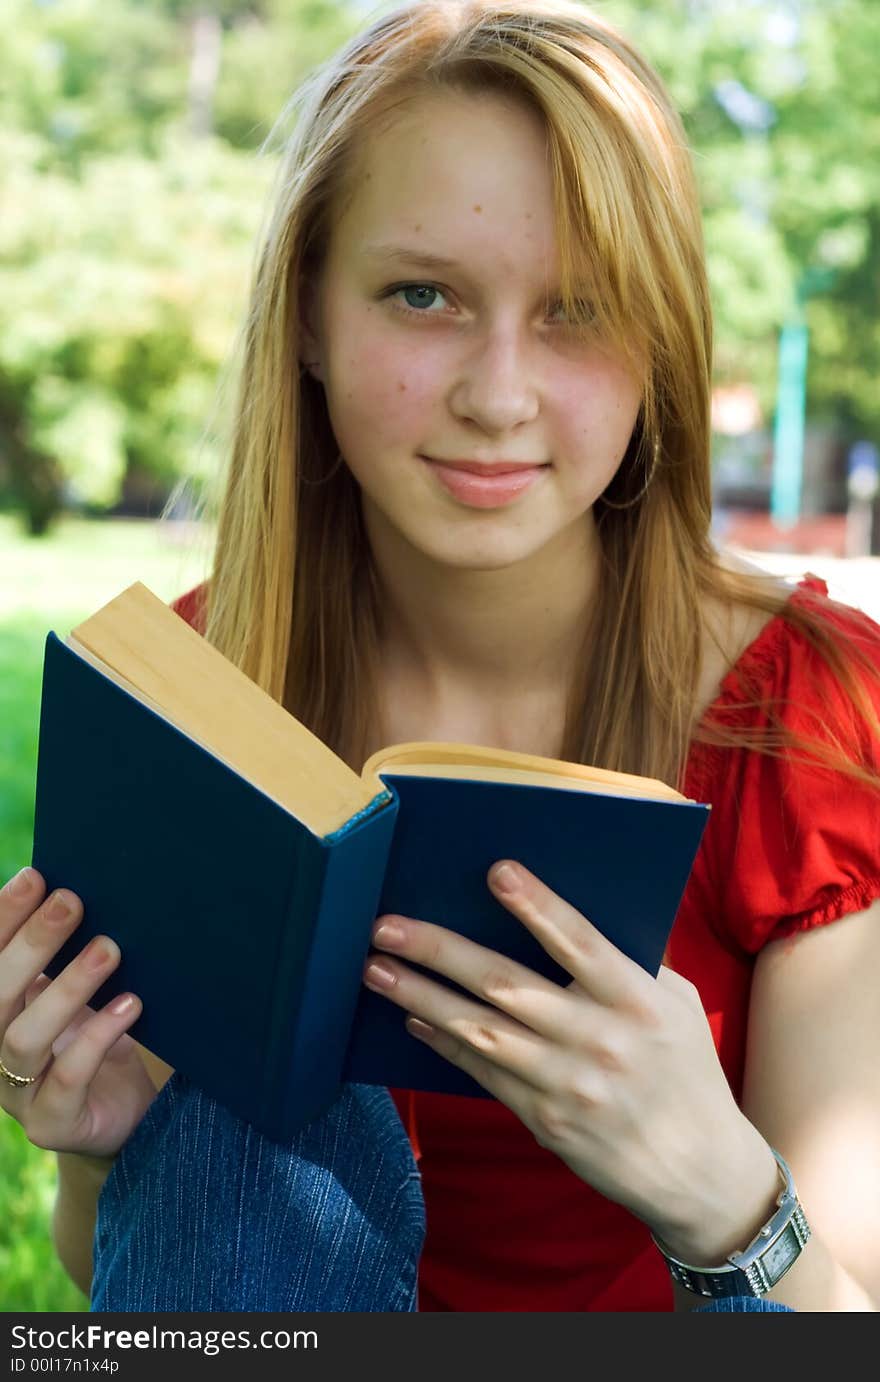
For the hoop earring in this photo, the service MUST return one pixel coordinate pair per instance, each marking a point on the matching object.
(630, 503)
(322, 479)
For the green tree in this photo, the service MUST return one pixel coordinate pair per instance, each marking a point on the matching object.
(779, 102)
(128, 228)
(120, 290)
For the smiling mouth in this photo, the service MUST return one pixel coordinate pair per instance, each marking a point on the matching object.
(486, 487)
(488, 468)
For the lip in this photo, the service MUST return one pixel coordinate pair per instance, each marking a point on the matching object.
(485, 487)
(488, 467)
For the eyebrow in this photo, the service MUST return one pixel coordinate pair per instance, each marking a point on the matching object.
(382, 253)
(386, 253)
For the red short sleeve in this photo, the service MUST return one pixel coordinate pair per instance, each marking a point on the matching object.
(790, 844)
(192, 606)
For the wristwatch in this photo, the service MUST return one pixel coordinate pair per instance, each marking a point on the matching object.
(765, 1261)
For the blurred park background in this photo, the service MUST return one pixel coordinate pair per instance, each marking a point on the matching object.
(134, 163)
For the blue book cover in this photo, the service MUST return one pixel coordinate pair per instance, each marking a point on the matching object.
(622, 861)
(245, 933)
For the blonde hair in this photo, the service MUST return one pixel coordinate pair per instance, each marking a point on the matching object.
(292, 597)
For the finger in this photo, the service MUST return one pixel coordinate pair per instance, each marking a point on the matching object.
(532, 1000)
(510, 1088)
(18, 899)
(490, 1034)
(41, 982)
(28, 1041)
(32, 946)
(122, 1047)
(577, 946)
(64, 1090)
(61, 1042)
(39, 986)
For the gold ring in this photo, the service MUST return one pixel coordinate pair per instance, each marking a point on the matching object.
(17, 1081)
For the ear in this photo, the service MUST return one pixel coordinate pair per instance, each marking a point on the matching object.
(310, 352)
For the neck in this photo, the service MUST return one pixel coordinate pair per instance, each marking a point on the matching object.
(497, 634)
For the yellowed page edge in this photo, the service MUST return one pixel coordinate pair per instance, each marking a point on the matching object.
(135, 691)
(174, 671)
(525, 778)
(426, 756)
(159, 1071)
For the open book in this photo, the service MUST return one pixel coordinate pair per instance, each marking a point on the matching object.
(239, 863)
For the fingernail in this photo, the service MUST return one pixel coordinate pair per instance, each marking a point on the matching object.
(22, 883)
(97, 953)
(388, 933)
(423, 1030)
(58, 908)
(121, 1004)
(379, 976)
(504, 878)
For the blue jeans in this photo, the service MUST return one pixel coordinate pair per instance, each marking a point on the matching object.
(201, 1213)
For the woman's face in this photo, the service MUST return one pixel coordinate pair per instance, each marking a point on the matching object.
(468, 360)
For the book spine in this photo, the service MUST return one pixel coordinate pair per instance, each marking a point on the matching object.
(319, 968)
(379, 802)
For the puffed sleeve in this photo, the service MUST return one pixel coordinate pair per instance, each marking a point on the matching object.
(191, 606)
(792, 844)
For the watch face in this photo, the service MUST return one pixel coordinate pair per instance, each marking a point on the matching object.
(780, 1255)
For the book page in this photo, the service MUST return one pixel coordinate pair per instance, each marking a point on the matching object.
(145, 647)
(522, 777)
(504, 765)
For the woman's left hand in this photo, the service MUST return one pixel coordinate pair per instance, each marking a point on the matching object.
(616, 1073)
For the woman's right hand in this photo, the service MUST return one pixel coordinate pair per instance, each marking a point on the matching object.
(92, 1088)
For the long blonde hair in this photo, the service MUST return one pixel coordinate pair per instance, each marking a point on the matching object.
(292, 597)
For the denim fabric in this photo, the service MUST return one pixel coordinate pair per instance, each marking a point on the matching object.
(202, 1213)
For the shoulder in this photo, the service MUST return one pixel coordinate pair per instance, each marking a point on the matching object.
(192, 606)
(793, 840)
(793, 652)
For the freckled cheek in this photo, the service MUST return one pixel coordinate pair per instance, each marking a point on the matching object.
(387, 389)
(595, 425)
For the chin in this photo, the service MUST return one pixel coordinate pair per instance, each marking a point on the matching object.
(481, 555)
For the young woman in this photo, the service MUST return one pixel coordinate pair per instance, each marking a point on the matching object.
(469, 499)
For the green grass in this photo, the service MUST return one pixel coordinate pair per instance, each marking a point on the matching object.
(53, 583)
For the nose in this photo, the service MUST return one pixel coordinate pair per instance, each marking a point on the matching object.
(494, 388)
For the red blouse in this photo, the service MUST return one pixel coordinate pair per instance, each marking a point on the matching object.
(787, 847)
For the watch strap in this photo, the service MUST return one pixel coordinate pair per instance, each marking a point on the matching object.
(757, 1268)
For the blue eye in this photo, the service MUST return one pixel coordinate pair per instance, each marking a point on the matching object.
(422, 297)
(422, 293)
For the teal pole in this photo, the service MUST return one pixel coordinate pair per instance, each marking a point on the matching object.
(788, 439)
